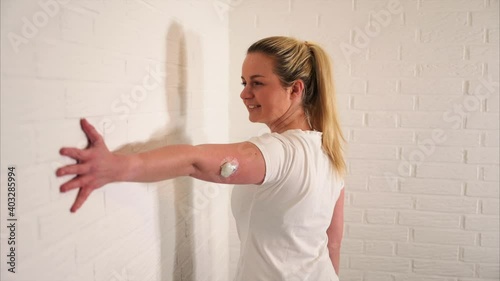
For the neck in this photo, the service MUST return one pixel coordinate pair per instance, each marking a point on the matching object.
(294, 118)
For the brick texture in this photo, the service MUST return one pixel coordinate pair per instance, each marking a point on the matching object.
(418, 100)
(419, 105)
(143, 72)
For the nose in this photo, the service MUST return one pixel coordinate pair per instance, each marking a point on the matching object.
(245, 93)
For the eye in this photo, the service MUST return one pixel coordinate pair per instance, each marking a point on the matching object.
(254, 83)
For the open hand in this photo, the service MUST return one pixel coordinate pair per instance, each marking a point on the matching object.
(95, 166)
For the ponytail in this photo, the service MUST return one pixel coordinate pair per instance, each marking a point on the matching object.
(323, 113)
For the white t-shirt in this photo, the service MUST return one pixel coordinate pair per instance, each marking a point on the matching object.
(282, 223)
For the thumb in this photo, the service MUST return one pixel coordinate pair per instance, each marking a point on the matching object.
(91, 133)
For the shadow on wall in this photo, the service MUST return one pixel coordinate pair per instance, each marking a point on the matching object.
(176, 204)
(184, 265)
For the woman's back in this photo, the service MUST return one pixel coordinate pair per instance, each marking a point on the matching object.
(282, 223)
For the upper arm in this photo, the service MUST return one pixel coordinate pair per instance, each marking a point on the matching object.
(209, 158)
(336, 229)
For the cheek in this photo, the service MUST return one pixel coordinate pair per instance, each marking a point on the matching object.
(276, 108)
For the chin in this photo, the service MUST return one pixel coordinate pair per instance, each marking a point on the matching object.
(252, 119)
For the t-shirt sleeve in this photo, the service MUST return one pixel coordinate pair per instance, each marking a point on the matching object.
(276, 151)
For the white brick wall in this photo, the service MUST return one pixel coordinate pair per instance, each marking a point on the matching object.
(105, 60)
(419, 104)
(421, 204)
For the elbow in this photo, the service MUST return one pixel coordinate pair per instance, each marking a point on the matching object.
(335, 246)
(194, 164)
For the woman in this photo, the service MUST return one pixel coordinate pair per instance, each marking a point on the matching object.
(290, 222)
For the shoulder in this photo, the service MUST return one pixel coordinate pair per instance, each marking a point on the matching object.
(289, 137)
(280, 148)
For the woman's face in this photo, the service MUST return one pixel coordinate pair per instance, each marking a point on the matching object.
(263, 95)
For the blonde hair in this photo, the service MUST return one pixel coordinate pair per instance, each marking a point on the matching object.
(308, 62)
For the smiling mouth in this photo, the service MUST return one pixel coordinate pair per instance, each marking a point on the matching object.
(253, 106)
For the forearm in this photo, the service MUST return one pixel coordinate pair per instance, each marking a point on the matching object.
(334, 252)
(160, 164)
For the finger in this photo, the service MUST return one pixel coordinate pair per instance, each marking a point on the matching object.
(83, 194)
(75, 153)
(90, 131)
(76, 169)
(75, 183)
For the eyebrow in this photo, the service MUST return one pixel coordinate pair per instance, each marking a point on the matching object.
(253, 76)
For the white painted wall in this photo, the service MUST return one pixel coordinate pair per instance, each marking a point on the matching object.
(94, 59)
(437, 222)
(418, 208)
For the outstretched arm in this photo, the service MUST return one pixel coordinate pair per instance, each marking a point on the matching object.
(335, 232)
(97, 166)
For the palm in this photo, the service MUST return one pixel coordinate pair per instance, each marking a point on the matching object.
(93, 167)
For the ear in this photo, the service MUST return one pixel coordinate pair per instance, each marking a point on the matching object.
(297, 90)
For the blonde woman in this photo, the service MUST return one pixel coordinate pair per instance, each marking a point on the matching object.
(289, 196)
